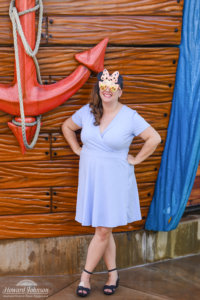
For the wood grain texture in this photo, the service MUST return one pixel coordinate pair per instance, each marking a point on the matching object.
(138, 89)
(60, 173)
(52, 121)
(61, 149)
(156, 114)
(6, 36)
(107, 7)
(24, 201)
(146, 191)
(121, 30)
(129, 61)
(53, 224)
(64, 198)
(6, 31)
(55, 61)
(38, 173)
(114, 7)
(10, 149)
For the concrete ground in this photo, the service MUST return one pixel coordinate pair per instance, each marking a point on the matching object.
(172, 279)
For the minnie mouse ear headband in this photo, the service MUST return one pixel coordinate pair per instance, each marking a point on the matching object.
(112, 82)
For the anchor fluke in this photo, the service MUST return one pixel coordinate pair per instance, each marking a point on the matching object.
(17, 131)
(93, 59)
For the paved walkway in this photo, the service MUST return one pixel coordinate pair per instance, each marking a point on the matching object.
(177, 279)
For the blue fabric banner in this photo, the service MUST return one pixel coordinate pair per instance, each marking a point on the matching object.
(181, 154)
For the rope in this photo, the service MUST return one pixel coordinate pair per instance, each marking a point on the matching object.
(26, 124)
(14, 16)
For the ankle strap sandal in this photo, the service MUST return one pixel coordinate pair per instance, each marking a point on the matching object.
(87, 271)
(81, 289)
(111, 287)
(112, 270)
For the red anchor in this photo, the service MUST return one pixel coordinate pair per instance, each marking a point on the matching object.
(37, 98)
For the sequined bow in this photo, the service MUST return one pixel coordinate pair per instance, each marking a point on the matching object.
(113, 77)
(109, 81)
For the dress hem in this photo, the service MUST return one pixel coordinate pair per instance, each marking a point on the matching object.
(128, 222)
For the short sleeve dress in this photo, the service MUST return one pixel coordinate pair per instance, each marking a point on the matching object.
(107, 188)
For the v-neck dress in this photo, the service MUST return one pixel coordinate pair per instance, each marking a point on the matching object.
(107, 189)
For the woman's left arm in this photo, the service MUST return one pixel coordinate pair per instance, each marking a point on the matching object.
(152, 139)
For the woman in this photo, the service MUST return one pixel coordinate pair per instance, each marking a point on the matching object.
(107, 190)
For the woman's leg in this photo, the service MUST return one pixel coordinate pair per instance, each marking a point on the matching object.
(95, 251)
(109, 257)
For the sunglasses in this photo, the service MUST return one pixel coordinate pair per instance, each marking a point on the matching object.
(103, 85)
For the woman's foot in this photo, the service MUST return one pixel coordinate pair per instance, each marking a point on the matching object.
(112, 280)
(84, 287)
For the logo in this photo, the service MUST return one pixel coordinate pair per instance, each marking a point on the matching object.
(25, 288)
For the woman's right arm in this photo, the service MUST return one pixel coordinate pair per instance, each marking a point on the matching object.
(68, 129)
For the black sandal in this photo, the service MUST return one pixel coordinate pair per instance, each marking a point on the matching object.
(82, 288)
(111, 287)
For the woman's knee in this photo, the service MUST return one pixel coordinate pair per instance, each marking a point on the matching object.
(103, 232)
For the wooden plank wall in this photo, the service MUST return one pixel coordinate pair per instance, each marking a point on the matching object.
(38, 190)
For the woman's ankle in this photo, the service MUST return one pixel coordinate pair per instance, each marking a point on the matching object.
(112, 274)
(85, 275)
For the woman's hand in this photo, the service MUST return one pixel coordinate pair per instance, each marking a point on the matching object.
(78, 151)
(131, 160)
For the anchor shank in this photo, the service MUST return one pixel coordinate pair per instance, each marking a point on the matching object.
(27, 66)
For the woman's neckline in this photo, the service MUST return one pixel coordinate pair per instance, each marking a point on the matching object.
(111, 120)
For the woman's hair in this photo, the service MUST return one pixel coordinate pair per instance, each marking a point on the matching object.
(96, 103)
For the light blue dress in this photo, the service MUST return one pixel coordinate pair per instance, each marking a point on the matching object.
(107, 189)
